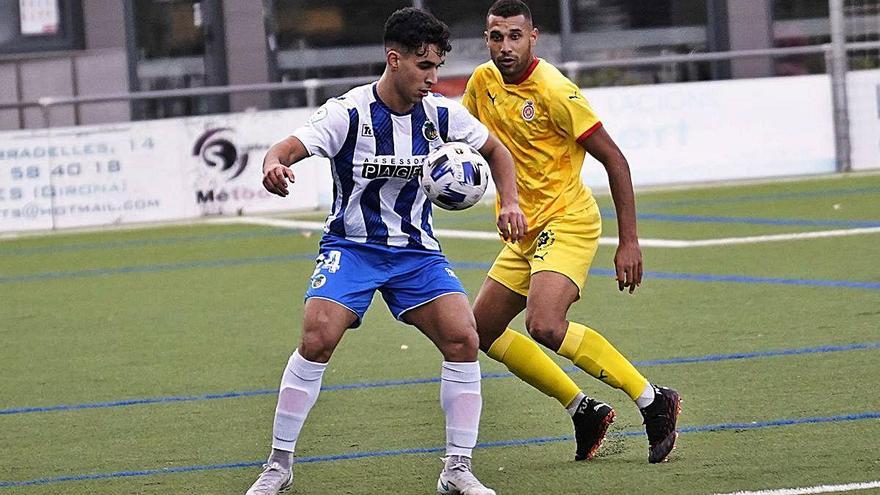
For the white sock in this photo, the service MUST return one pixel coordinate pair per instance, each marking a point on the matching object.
(572, 406)
(299, 390)
(461, 402)
(646, 398)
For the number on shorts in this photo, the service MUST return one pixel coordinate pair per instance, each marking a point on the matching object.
(329, 262)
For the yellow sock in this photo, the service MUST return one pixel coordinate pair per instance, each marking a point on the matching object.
(525, 359)
(590, 352)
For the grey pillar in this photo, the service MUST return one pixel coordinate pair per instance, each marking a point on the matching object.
(102, 67)
(718, 36)
(216, 68)
(838, 65)
(565, 36)
(750, 26)
(247, 58)
(104, 24)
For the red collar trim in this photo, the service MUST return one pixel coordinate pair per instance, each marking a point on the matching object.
(528, 71)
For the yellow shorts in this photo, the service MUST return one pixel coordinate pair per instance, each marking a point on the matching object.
(566, 245)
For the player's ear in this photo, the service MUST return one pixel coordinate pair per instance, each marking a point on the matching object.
(392, 58)
(486, 37)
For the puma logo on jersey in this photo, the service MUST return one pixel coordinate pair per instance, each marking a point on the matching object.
(491, 98)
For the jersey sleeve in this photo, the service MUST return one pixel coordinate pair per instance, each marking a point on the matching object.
(464, 127)
(326, 130)
(572, 113)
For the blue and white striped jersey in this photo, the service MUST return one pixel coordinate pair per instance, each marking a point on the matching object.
(376, 158)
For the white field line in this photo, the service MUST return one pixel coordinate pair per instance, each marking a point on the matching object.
(609, 241)
(850, 487)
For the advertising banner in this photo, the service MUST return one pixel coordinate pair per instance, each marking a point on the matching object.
(98, 175)
(718, 130)
(159, 170)
(223, 164)
(863, 94)
(183, 168)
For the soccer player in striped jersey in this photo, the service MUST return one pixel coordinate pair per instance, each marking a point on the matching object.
(379, 236)
(548, 126)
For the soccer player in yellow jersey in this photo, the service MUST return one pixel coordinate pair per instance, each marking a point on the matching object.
(548, 126)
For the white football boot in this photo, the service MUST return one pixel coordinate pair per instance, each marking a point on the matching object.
(457, 478)
(273, 480)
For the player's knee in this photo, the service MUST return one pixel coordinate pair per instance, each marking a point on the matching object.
(547, 330)
(461, 345)
(315, 346)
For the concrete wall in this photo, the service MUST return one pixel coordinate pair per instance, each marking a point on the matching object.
(750, 26)
(102, 72)
(104, 24)
(246, 57)
(100, 68)
(9, 119)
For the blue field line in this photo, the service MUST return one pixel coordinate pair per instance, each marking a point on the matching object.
(162, 241)
(802, 222)
(155, 268)
(742, 279)
(417, 381)
(708, 277)
(461, 265)
(432, 450)
(778, 196)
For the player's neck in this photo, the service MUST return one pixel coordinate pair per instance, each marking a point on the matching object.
(390, 97)
(523, 74)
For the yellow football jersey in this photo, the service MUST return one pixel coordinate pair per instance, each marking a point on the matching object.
(541, 120)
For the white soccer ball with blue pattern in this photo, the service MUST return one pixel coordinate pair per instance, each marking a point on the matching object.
(455, 176)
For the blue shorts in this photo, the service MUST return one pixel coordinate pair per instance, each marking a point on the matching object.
(349, 273)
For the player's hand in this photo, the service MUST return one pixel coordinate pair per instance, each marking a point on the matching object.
(512, 223)
(276, 177)
(628, 265)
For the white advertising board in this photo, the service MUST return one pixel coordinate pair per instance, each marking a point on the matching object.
(185, 168)
(98, 175)
(708, 131)
(224, 157)
(863, 94)
(159, 170)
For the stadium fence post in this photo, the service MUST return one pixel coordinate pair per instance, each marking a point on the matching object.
(836, 65)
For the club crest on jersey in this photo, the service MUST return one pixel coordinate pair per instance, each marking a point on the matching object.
(528, 110)
(318, 116)
(430, 131)
(546, 239)
(318, 281)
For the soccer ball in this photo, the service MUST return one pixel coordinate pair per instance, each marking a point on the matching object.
(455, 176)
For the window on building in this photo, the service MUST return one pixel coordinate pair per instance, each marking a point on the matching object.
(28, 26)
(327, 39)
(806, 22)
(614, 29)
(173, 51)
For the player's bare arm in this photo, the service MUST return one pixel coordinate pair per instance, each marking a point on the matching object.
(511, 219)
(276, 164)
(628, 259)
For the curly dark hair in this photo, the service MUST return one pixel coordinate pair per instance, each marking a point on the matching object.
(510, 8)
(413, 29)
